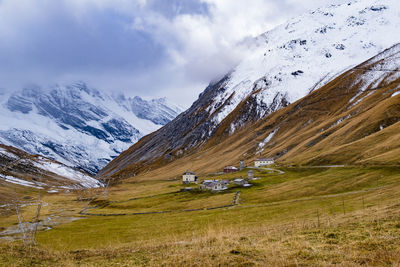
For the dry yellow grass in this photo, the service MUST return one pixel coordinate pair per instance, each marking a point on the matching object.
(290, 219)
(369, 237)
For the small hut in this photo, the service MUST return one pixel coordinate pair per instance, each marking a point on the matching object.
(230, 169)
(250, 175)
(242, 166)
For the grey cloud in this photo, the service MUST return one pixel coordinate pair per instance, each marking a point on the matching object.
(162, 48)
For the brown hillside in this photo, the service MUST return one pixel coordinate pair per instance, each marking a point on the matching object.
(354, 119)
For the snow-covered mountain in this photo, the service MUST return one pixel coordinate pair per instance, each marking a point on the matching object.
(77, 125)
(282, 66)
(305, 53)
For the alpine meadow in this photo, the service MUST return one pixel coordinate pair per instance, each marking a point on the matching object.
(289, 158)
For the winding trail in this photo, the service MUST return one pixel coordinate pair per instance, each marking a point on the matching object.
(271, 169)
(267, 169)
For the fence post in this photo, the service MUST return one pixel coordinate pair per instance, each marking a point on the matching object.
(344, 211)
(37, 216)
(363, 202)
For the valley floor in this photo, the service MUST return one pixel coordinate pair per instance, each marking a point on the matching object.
(346, 216)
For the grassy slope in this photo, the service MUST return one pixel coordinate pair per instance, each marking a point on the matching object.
(275, 223)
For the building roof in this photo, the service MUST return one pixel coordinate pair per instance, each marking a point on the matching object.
(264, 159)
(210, 184)
(231, 167)
(189, 173)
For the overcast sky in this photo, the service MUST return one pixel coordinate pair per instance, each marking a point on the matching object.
(150, 48)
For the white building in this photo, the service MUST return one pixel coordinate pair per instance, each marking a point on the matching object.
(189, 177)
(263, 162)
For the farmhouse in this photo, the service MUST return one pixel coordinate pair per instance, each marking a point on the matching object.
(189, 177)
(263, 162)
(213, 185)
(229, 169)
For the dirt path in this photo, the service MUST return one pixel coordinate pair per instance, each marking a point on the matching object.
(267, 169)
(272, 169)
(235, 202)
(323, 166)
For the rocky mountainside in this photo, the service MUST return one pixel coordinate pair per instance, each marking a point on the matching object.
(77, 125)
(23, 169)
(284, 65)
(353, 119)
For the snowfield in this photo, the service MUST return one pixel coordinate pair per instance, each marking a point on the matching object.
(307, 52)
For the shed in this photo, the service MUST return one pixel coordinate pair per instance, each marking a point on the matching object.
(242, 166)
(250, 174)
(229, 169)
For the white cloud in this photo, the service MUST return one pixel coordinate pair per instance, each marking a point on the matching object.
(146, 47)
(202, 47)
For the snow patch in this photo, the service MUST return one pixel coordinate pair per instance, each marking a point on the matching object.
(67, 172)
(13, 180)
(266, 140)
(359, 100)
(340, 121)
(52, 191)
(396, 93)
